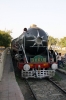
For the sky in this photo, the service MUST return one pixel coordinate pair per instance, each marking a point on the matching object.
(50, 15)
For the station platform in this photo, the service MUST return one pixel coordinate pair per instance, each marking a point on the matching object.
(9, 89)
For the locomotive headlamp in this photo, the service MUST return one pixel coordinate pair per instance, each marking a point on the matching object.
(54, 66)
(26, 67)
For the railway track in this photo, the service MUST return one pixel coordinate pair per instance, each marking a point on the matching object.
(31, 90)
(46, 88)
(25, 88)
(42, 89)
(56, 83)
(60, 83)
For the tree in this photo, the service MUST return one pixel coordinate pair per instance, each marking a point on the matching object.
(63, 42)
(52, 41)
(5, 38)
(57, 41)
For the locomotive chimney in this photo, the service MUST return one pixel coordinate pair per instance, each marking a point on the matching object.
(25, 30)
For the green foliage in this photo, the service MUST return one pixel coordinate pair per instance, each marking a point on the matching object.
(56, 41)
(5, 38)
(63, 42)
(52, 41)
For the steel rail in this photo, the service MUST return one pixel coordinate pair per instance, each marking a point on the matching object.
(31, 89)
(57, 86)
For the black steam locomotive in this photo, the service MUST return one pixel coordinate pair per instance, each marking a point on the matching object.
(32, 54)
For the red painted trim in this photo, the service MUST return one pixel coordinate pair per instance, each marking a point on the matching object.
(34, 65)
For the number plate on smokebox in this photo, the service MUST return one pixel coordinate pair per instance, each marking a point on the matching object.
(37, 59)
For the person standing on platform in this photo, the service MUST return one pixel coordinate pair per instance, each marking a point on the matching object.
(60, 62)
(53, 54)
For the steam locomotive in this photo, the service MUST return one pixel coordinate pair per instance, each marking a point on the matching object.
(30, 50)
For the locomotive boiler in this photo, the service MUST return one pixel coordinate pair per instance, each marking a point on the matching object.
(32, 54)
